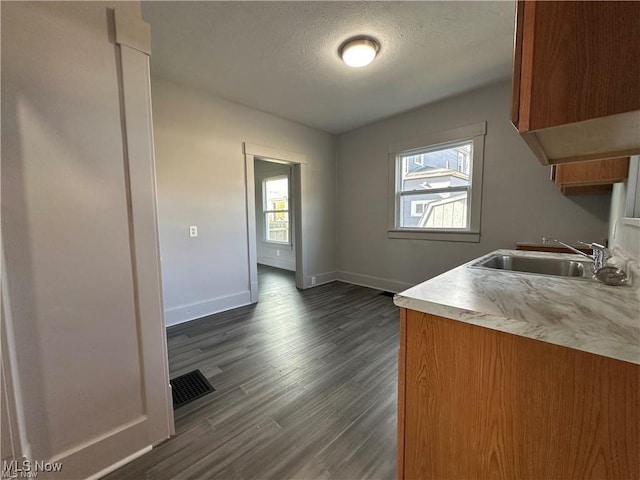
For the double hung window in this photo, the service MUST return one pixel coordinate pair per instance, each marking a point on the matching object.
(276, 209)
(437, 185)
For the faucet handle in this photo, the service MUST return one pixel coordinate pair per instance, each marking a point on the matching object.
(601, 255)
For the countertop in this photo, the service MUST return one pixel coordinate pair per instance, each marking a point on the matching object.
(580, 314)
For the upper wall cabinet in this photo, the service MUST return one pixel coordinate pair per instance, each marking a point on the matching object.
(576, 81)
(595, 176)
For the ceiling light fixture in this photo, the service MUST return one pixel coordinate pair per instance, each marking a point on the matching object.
(359, 51)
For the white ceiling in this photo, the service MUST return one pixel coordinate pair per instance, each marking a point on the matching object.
(281, 57)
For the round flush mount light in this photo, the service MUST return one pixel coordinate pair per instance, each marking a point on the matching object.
(359, 51)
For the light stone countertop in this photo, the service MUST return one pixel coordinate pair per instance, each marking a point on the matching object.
(580, 314)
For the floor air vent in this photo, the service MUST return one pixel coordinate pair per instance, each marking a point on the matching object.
(188, 387)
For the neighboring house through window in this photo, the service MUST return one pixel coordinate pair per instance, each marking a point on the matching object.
(275, 202)
(437, 185)
(418, 207)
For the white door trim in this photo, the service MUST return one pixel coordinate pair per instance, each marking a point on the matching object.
(143, 216)
(298, 162)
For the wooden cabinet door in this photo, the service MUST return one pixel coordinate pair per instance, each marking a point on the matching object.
(596, 176)
(478, 403)
(575, 61)
(576, 80)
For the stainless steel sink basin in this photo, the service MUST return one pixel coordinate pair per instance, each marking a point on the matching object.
(540, 266)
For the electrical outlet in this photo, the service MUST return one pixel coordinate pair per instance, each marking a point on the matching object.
(277, 253)
(313, 280)
(193, 231)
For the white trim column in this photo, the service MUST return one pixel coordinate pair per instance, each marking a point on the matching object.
(133, 37)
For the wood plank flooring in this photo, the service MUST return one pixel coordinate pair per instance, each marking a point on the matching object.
(306, 385)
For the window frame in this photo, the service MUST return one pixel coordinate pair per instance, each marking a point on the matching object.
(266, 212)
(474, 133)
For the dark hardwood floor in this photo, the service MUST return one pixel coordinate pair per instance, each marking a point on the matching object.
(305, 388)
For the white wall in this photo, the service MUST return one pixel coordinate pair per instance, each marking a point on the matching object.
(624, 218)
(201, 181)
(519, 201)
(280, 256)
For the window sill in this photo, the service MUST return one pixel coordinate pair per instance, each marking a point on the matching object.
(444, 236)
(271, 243)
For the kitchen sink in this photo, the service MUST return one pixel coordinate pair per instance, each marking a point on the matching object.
(540, 266)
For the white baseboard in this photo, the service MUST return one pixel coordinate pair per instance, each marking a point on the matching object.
(278, 263)
(184, 313)
(321, 279)
(378, 283)
(254, 292)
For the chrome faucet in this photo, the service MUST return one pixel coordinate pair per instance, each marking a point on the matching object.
(599, 256)
(601, 271)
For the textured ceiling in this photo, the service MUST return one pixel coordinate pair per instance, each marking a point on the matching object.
(281, 57)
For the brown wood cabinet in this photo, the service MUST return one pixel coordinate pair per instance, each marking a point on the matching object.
(576, 80)
(595, 176)
(477, 403)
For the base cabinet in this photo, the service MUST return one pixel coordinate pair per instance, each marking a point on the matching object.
(476, 403)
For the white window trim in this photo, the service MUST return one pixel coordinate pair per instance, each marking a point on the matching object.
(476, 134)
(265, 212)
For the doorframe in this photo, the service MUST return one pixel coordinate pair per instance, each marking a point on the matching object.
(298, 162)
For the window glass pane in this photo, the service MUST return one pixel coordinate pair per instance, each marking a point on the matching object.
(449, 167)
(277, 194)
(277, 226)
(434, 210)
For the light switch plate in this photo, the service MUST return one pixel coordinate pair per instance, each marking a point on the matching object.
(193, 231)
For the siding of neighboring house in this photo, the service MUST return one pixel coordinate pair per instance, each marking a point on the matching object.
(420, 210)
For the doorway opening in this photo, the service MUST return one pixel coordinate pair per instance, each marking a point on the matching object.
(274, 217)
